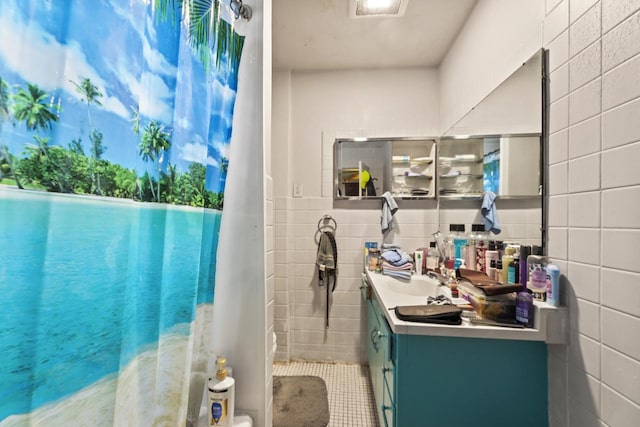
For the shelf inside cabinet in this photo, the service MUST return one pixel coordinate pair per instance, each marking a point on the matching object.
(459, 160)
(459, 175)
(414, 176)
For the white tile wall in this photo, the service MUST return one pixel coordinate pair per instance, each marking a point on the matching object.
(619, 125)
(560, 87)
(585, 66)
(556, 22)
(614, 11)
(621, 43)
(585, 30)
(621, 373)
(617, 410)
(578, 7)
(584, 138)
(620, 84)
(585, 102)
(584, 174)
(597, 170)
(622, 291)
(559, 51)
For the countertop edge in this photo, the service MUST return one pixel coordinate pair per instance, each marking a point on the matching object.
(550, 323)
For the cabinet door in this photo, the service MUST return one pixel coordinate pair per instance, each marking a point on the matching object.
(375, 355)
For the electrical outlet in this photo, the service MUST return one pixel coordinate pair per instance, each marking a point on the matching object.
(297, 190)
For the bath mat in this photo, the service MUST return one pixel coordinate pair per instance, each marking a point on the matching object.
(300, 401)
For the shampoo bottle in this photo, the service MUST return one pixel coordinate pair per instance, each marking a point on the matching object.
(221, 396)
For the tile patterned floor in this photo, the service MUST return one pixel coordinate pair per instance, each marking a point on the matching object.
(351, 401)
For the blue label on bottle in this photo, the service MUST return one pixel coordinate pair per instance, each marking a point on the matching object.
(216, 411)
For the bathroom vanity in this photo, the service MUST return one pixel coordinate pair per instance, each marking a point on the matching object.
(454, 375)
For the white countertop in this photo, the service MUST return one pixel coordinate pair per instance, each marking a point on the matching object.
(550, 322)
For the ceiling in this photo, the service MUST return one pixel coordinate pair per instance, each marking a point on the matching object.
(319, 35)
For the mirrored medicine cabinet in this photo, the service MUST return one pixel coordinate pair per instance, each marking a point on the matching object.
(367, 168)
(497, 146)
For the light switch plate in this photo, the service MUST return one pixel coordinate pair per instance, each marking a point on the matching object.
(297, 190)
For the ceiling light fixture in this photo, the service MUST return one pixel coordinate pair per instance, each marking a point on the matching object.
(379, 8)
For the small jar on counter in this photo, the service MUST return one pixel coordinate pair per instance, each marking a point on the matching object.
(374, 259)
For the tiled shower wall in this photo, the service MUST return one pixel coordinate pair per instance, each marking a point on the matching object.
(594, 215)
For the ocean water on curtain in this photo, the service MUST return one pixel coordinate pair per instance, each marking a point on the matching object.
(72, 272)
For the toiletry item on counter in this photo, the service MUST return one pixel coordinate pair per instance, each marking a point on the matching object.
(525, 251)
(553, 285)
(537, 279)
(458, 240)
(513, 274)
(481, 243)
(524, 309)
(491, 254)
(221, 396)
(433, 258)
(498, 272)
(373, 262)
(418, 258)
(367, 248)
(491, 269)
(507, 259)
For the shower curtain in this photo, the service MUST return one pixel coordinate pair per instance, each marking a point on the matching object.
(115, 124)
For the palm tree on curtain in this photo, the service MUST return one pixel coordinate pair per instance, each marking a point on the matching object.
(90, 95)
(5, 97)
(155, 141)
(207, 32)
(31, 107)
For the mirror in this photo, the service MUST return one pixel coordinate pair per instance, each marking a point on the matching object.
(499, 146)
(365, 168)
(514, 107)
(507, 165)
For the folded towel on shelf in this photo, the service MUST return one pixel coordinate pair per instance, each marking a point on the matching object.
(395, 256)
(405, 275)
(406, 266)
(489, 214)
(389, 208)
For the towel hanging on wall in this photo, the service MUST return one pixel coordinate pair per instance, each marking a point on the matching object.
(489, 214)
(389, 208)
(327, 263)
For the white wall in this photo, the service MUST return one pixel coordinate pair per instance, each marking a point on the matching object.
(594, 208)
(389, 102)
(309, 111)
(497, 38)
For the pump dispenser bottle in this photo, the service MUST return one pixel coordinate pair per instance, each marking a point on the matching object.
(221, 396)
(537, 278)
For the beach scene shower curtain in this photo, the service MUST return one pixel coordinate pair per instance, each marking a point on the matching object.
(115, 125)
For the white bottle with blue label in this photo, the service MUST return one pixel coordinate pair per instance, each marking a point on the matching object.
(221, 396)
(553, 285)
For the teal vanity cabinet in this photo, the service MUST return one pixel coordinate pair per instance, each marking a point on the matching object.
(442, 381)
